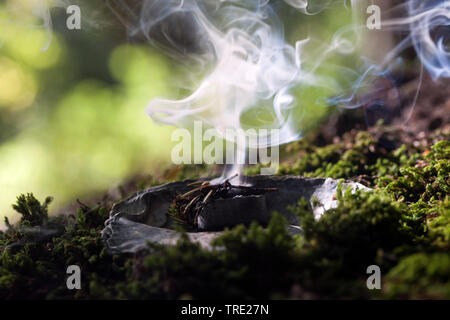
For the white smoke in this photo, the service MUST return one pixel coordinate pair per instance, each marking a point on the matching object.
(253, 65)
(428, 25)
(249, 64)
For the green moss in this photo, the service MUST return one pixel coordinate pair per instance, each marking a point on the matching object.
(402, 226)
(33, 261)
(364, 229)
(420, 276)
(363, 154)
(427, 181)
(439, 224)
(32, 211)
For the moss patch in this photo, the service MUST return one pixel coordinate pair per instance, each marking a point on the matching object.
(402, 226)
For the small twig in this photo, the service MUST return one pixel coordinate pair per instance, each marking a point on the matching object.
(208, 195)
(230, 178)
(186, 209)
(190, 192)
(196, 183)
(83, 206)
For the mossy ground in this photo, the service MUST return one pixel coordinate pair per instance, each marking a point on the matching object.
(403, 226)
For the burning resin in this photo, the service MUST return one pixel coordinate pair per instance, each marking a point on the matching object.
(214, 206)
(144, 217)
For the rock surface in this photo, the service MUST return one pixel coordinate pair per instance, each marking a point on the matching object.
(223, 213)
(142, 217)
(124, 235)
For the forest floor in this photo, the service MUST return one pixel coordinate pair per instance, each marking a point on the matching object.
(402, 226)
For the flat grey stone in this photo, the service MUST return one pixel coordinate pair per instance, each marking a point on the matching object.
(150, 206)
(223, 213)
(123, 235)
(142, 217)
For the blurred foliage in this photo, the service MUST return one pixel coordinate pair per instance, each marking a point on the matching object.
(72, 118)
